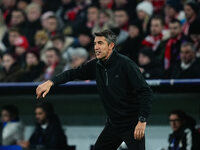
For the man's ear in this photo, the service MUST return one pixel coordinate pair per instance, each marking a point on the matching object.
(111, 45)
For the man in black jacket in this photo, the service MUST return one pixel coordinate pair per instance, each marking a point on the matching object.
(124, 93)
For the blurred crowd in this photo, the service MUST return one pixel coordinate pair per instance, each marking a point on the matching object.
(40, 38)
(49, 134)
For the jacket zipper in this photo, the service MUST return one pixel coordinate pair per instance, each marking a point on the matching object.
(106, 77)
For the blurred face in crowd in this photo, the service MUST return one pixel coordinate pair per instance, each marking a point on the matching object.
(20, 50)
(104, 3)
(141, 15)
(40, 116)
(33, 14)
(121, 18)
(12, 36)
(8, 61)
(195, 37)
(174, 122)
(170, 11)
(102, 48)
(92, 14)
(84, 40)
(143, 60)
(156, 27)
(51, 57)
(120, 2)
(5, 116)
(59, 44)
(187, 54)
(189, 12)
(76, 61)
(175, 29)
(17, 18)
(31, 59)
(51, 24)
(103, 18)
(8, 3)
(133, 31)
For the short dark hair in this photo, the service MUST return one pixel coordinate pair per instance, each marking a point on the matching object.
(175, 21)
(13, 111)
(108, 34)
(180, 113)
(52, 17)
(185, 44)
(158, 17)
(14, 29)
(54, 49)
(58, 37)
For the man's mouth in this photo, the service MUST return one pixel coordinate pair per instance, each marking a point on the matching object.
(97, 52)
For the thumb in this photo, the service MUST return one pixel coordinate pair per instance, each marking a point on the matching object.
(45, 93)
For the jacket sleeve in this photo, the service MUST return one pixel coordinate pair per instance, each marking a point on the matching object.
(142, 89)
(84, 72)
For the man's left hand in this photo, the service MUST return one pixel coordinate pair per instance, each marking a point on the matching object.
(139, 130)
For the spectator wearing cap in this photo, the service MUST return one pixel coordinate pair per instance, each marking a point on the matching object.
(132, 44)
(105, 21)
(11, 126)
(144, 12)
(150, 67)
(121, 19)
(189, 65)
(172, 49)
(194, 35)
(191, 10)
(44, 18)
(21, 46)
(33, 67)
(157, 38)
(11, 71)
(33, 13)
(173, 10)
(54, 64)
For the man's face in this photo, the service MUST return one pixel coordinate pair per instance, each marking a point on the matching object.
(8, 61)
(51, 57)
(8, 3)
(12, 36)
(133, 31)
(104, 3)
(175, 29)
(59, 44)
(189, 12)
(92, 14)
(17, 18)
(101, 47)
(143, 60)
(40, 116)
(33, 14)
(170, 11)
(156, 27)
(51, 24)
(174, 122)
(187, 54)
(121, 18)
(31, 59)
(5, 116)
(103, 18)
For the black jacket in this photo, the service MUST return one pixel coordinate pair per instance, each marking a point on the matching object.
(123, 90)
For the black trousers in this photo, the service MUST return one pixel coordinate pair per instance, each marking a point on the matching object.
(111, 138)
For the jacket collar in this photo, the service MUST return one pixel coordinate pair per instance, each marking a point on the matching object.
(110, 61)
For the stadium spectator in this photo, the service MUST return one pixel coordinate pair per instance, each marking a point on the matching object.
(54, 63)
(184, 135)
(18, 18)
(11, 71)
(62, 43)
(150, 67)
(144, 12)
(122, 19)
(173, 10)
(157, 38)
(105, 21)
(44, 17)
(11, 126)
(13, 34)
(48, 133)
(194, 35)
(7, 6)
(188, 67)
(173, 45)
(33, 13)
(92, 16)
(191, 10)
(78, 56)
(105, 4)
(33, 67)
(3, 30)
(22, 4)
(52, 26)
(132, 44)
